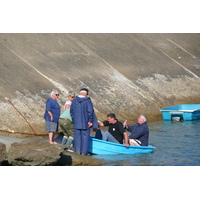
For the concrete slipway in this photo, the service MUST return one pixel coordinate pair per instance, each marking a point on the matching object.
(126, 73)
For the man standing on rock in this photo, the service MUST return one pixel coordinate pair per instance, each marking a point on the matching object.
(82, 113)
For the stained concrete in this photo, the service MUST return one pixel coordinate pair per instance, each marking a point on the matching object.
(126, 73)
(7, 140)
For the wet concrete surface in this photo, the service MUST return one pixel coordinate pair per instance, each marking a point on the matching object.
(8, 140)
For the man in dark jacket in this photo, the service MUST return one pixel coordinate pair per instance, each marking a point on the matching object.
(82, 113)
(139, 132)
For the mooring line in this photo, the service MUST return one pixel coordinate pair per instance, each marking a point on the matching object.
(20, 114)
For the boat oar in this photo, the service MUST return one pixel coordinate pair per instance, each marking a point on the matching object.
(20, 114)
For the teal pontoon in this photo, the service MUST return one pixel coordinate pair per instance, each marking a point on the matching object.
(184, 112)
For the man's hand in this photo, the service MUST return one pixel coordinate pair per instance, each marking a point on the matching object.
(125, 124)
(126, 144)
(101, 124)
(89, 124)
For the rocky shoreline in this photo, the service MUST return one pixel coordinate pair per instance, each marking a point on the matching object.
(35, 151)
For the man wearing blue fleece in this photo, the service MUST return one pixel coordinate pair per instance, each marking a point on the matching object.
(139, 132)
(83, 116)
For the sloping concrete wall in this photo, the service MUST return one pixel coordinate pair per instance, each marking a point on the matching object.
(127, 74)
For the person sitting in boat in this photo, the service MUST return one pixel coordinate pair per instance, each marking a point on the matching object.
(139, 132)
(116, 132)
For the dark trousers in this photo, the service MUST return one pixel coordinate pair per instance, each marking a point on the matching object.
(67, 127)
(81, 140)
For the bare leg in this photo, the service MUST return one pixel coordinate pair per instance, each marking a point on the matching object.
(51, 138)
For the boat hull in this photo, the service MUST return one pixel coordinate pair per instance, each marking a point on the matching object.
(186, 112)
(102, 147)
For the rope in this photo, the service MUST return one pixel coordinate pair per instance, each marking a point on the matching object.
(21, 115)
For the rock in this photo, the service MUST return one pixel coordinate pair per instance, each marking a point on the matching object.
(2, 152)
(38, 152)
(73, 159)
(34, 152)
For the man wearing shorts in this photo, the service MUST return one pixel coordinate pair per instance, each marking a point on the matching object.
(139, 132)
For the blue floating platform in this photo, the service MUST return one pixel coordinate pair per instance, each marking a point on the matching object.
(186, 112)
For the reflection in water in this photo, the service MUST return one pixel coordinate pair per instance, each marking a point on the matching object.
(177, 144)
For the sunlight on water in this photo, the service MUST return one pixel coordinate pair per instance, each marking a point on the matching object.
(177, 144)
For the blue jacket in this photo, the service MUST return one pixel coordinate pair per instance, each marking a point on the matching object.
(53, 106)
(139, 132)
(82, 112)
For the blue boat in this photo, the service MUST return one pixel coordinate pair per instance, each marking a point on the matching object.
(183, 112)
(102, 147)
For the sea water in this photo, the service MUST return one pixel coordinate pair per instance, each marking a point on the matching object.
(177, 144)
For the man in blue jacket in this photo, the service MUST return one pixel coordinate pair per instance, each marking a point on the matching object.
(139, 132)
(82, 113)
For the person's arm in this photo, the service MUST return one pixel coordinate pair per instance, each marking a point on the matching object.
(104, 123)
(125, 124)
(49, 109)
(126, 143)
(100, 123)
(139, 131)
(51, 115)
(90, 111)
(66, 106)
(125, 135)
(129, 128)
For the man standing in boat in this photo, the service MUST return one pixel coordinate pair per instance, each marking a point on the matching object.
(139, 132)
(116, 132)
